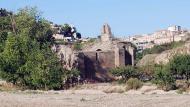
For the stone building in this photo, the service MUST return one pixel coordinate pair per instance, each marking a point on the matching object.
(105, 54)
(94, 61)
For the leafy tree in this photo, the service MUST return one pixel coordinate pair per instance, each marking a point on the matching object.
(69, 31)
(27, 59)
(29, 21)
(4, 12)
(164, 78)
(5, 27)
(180, 66)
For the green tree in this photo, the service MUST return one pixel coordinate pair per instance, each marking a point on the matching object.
(27, 59)
(5, 27)
(180, 66)
(164, 78)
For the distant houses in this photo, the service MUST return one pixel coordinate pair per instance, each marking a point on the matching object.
(67, 33)
(173, 33)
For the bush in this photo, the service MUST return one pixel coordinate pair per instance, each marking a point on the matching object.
(180, 66)
(164, 78)
(125, 72)
(160, 48)
(77, 46)
(181, 90)
(147, 72)
(134, 83)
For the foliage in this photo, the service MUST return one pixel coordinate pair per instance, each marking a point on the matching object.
(134, 83)
(5, 27)
(181, 90)
(164, 78)
(160, 48)
(77, 46)
(146, 73)
(69, 31)
(73, 73)
(26, 58)
(138, 56)
(125, 72)
(180, 66)
(4, 12)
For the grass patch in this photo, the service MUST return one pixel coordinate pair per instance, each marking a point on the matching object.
(134, 83)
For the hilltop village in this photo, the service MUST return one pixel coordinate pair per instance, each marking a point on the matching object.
(171, 34)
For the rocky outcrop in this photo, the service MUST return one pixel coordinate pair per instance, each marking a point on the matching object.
(147, 60)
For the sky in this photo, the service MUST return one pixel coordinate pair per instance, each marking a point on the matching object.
(126, 17)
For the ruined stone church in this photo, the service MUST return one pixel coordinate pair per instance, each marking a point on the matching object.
(94, 61)
(107, 53)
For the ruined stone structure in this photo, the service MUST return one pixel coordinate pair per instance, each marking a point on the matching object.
(106, 33)
(95, 60)
(104, 55)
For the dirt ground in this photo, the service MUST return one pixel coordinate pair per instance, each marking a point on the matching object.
(8, 99)
(95, 95)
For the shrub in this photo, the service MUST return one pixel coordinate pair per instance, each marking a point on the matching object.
(181, 90)
(164, 79)
(146, 73)
(160, 48)
(180, 66)
(134, 83)
(125, 72)
(77, 46)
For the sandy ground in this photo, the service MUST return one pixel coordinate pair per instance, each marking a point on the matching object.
(91, 100)
(95, 95)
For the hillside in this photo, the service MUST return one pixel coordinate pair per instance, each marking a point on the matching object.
(165, 56)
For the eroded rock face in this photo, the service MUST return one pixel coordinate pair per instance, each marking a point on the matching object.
(165, 56)
(147, 60)
(67, 56)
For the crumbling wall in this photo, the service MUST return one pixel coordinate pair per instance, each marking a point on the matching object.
(97, 64)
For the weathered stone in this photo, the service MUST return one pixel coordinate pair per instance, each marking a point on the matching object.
(106, 29)
(106, 33)
(96, 60)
